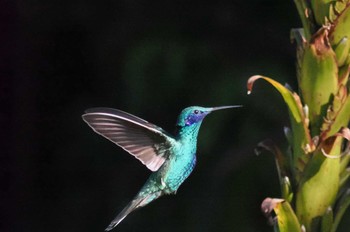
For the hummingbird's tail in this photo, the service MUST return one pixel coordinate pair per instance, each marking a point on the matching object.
(137, 202)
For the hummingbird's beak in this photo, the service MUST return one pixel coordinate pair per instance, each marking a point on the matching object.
(224, 107)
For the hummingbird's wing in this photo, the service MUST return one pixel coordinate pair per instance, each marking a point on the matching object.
(145, 141)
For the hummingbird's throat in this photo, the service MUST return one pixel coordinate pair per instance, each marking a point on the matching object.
(192, 119)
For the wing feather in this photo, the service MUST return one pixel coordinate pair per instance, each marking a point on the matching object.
(145, 141)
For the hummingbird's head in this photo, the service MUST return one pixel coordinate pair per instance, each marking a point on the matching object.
(195, 114)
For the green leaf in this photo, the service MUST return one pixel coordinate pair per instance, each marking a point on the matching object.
(342, 205)
(297, 35)
(339, 6)
(327, 220)
(344, 162)
(342, 51)
(282, 162)
(345, 158)
(306, 17)
(338, 115)
(286, 218)
(344, 72)
(283, 168)
(287, 95)
(319, 186)
(302, 143)
(318, 78)
(287, 191)
(340, 27)
(321, 10)
(344, 177)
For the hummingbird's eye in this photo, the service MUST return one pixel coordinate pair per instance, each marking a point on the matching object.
(196, 111)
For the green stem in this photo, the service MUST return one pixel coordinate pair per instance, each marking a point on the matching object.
(344, 177)
(305, 14)
(343, 205)
(344, 162)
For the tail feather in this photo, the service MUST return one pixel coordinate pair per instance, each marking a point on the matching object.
(128, 209)
(138, 202)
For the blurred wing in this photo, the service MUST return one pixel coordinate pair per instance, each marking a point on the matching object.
(147, 142)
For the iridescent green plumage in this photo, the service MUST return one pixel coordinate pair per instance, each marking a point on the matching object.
(171, 158)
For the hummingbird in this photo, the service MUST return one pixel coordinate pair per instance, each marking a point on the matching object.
(171, 158)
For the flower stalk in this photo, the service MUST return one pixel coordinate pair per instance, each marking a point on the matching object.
(314, 171)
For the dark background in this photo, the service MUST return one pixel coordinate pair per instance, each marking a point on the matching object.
(152, 59)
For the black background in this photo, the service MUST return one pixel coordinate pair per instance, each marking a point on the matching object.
(152, 59)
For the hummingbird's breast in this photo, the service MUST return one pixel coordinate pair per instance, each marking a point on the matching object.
(179, 167)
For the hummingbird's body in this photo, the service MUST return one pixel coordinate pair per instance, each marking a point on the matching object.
(171, 158)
